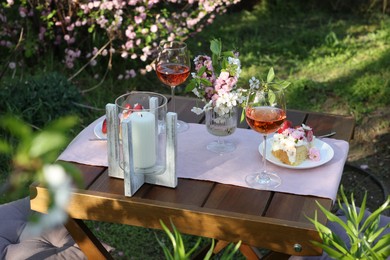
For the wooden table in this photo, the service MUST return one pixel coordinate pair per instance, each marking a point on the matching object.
(264, 219)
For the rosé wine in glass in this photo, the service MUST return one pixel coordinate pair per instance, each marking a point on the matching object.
(265, 120)
(172, 74)
(173, 69)
(265, 112)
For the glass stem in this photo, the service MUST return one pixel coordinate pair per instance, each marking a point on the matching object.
(173, 99)
(264, 171)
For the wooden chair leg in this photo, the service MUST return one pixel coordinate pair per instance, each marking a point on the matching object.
(219, 246)
(86, 240)
(250, 253)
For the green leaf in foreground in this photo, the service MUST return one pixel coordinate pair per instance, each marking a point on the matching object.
(364, 235)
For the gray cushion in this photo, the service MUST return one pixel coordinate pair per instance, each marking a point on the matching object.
(53, 244)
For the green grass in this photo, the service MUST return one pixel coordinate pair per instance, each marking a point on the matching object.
(337, 63)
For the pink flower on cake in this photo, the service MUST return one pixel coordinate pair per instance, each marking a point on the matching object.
(309, 135)
(314, 154)
(297, 134)
(308, 132)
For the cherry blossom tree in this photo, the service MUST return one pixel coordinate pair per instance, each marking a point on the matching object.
(86, 33)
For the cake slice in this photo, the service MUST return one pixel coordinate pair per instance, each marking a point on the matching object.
(291, 145)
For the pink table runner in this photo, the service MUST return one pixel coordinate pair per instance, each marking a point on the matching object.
(194, 161)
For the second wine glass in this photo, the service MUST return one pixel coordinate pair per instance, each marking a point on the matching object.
(265, 112)
(173, 69)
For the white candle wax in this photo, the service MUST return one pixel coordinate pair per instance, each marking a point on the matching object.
(143, 137)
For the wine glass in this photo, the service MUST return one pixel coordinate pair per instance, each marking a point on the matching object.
(172, 69)
(265, 112)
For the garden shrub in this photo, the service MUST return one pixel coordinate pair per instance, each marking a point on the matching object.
(40, 99)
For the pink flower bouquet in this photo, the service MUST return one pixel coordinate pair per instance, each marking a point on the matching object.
(215, 80)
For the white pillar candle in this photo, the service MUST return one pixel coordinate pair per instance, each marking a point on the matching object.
(143, 137)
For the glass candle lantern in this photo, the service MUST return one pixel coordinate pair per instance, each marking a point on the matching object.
(142, 120)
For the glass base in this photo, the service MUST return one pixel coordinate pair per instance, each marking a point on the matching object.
(263, 181)
(221, 147)
(181, 126)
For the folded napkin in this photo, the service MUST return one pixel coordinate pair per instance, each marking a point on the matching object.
(194, 161)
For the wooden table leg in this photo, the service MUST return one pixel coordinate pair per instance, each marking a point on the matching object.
(86, 240)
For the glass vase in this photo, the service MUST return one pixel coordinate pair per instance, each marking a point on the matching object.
(221, 126)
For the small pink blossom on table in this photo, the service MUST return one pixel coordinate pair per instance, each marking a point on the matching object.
(314, 154)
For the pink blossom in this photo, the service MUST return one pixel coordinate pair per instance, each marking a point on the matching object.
(129, 45)
(149, 68)
(41, 35)
(12, 65)
(314, 154)
(224, 75)
(69, 65)
(214, 97)
(287, 131)
(140, 9)
(298, 134)
(131, 73)
(309, 135)
(209, 91)
(70, 27)
(153, 28)
(23, 11)
(124, 54)
(138, 19)
(95, 50)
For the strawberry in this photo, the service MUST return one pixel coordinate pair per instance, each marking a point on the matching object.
(126, 112)
(286, 124)
(138, 107)
(104, 126)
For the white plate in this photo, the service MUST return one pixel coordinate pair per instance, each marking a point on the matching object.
(326, 154)
(97, 130)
